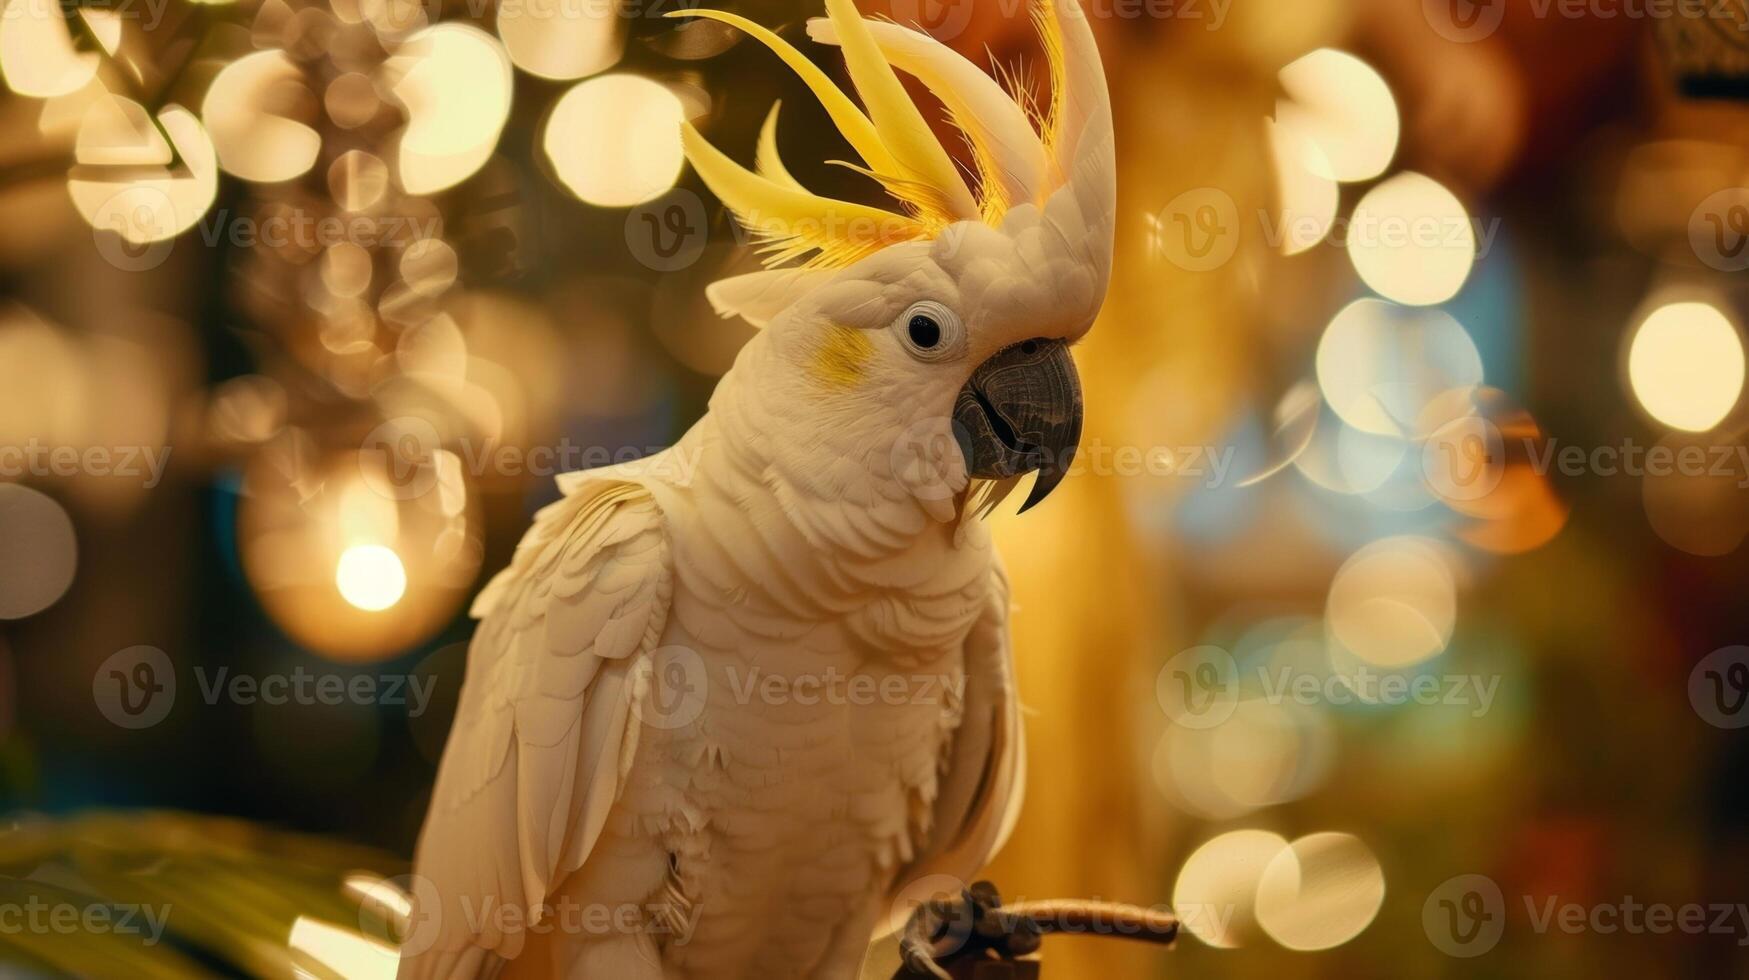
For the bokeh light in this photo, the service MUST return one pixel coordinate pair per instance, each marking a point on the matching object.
(1379, 364)
(244, 113)
(454, 81)
(1697, 507)
(1685, 364)
(324, 949)
(1411, 240)
(1216, 892)
(1320, 891)
(37, 55)
(615, 140)
(358, 555)
(370, 577)
(38, 551)
(142, 205)
(1394, 602)
(1344, 108)
(562, 39)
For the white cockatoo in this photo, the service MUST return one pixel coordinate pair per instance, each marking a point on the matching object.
(728, 700)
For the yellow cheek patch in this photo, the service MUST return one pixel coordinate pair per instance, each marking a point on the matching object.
(841, 359)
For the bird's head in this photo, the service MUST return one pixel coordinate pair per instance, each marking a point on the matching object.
(949, 318)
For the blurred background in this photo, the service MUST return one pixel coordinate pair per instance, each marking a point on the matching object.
(1395, 607)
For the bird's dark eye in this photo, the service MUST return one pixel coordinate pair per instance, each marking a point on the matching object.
(930, 331)
(925, 332)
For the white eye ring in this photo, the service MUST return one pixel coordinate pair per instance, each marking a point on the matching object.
(914, 328)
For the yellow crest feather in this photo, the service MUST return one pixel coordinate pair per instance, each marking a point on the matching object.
(850, 120)
(897, 146)
(792, 223)
(919, 155)
(766, 160)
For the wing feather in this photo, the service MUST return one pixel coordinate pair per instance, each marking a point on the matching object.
(544, 726)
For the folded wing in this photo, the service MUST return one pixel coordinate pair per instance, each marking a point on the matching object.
(546, 724)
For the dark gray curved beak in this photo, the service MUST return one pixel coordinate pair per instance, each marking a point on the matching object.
(1021, 412)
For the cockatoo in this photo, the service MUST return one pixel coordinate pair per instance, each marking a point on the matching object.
(652, 772)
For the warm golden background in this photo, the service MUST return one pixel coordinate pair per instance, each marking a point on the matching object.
(364, 273)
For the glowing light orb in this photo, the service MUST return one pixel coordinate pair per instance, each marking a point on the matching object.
(1217, 887)
(1380, 365)
(370, 577)
(253, 141)
(1412, 241)
(455, 82)
(1346, 108)
(1394, 602)
(562, 39)
(38, 551)
(1320, 891)
(615, 140)
(1686, 366)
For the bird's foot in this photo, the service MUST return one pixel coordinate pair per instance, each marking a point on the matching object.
(975, 927)
(968, 926)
